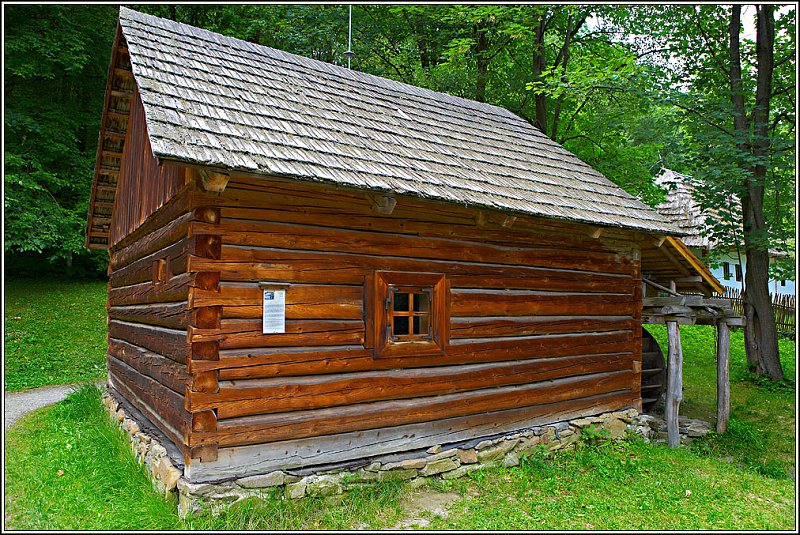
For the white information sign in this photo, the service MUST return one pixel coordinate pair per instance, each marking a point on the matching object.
(274, 312)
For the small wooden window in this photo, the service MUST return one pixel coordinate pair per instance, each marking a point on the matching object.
(726, 271)
(738, 272)
(411, 316)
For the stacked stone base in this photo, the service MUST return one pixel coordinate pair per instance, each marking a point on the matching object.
(438, 462)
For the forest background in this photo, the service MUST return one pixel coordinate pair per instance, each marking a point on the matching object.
(708, 91)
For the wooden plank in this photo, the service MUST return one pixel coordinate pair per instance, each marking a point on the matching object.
(723, 376)
(169, 315)
(248, 333)
(283, 362)
(684, 300)
(142, 270)
(313, 238)
(242, 300)
(294, 425)
(527, 303)
(248, 263)
(175, 435)
(406, 218)
(175, 289)
(167, 372)
(174, 208)
(493, 326)
(285, 455)
(674, 384)
(167, 342)
(238, 398)
(150, 243)
(92, 240)
(696, 264)
(168, 404)
(279, 195)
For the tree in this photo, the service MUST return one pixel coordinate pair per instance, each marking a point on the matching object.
(738, 122)
(56, 59)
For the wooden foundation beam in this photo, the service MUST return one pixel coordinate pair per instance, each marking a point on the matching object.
(723, 376)
(674, 383)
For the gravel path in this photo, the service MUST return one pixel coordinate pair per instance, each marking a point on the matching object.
(18, 404)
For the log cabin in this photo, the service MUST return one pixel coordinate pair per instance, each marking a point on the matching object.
(312, 265)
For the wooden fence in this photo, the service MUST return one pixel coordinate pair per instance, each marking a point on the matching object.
(782, 305)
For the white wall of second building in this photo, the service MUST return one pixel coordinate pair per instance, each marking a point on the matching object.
(733, 276)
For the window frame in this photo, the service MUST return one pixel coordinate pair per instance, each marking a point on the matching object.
(380, 313)
(739, 272)
(726, 271)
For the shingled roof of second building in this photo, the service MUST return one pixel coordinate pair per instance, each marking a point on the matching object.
(223, 102)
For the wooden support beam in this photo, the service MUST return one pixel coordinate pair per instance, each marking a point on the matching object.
(659, 241)
(674, 383)
(509, 221)
(696, 278)
(597, 232)
(723, 376)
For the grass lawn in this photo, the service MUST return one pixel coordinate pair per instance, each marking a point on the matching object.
(67, 467)
(55, 332)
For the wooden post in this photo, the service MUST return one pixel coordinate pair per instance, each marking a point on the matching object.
(674, 383)
(723, 375)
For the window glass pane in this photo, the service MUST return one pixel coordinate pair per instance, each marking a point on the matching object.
(401, 325)
(421, 302)
(400, 301)
(421, 325)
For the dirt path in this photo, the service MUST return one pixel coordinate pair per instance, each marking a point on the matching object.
(418, 503)
(18, 404)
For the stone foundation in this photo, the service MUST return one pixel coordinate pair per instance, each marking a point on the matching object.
(438, 462)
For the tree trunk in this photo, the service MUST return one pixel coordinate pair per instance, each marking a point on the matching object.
(565, 61)
(761, 335)
(481, 60)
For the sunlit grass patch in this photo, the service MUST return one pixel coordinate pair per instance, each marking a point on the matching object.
(55, 332)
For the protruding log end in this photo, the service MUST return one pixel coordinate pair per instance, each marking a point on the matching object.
(382, 203)
(213, 181)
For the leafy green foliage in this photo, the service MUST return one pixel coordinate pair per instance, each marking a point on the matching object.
(55, 332)
(627, 88)
(56, 59)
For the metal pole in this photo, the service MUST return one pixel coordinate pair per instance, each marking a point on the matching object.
(350, 34)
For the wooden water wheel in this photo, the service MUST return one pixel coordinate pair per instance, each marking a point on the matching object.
(654, 372)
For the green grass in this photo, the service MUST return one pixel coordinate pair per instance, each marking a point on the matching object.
(102, 487)
(761, 430)
(739, 480)
(55, 332)
(628, 485)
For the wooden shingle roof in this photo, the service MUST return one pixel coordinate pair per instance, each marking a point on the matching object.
(684, 210)
(230, 104)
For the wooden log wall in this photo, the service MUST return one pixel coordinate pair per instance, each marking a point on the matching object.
(544, 315)
(149, 282)
(143, 185)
